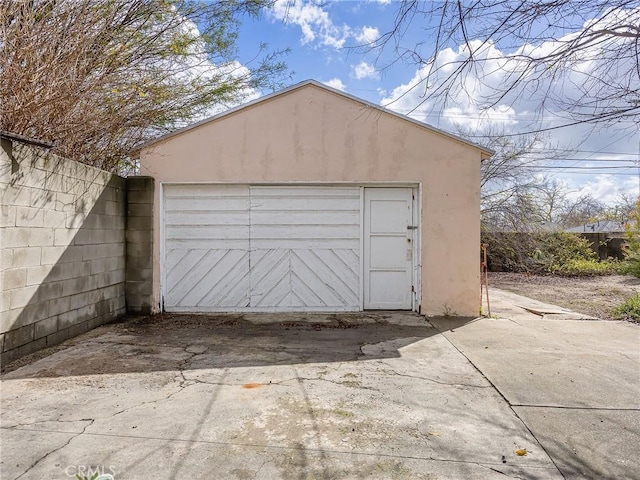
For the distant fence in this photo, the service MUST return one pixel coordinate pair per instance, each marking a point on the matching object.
(606, 245)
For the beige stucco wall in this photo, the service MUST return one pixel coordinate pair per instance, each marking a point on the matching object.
(310, 134)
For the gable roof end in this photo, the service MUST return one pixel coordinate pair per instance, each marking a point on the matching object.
(484, 151)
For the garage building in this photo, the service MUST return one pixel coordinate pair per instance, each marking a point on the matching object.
(310, 199)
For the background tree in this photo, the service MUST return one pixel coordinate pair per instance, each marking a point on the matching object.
(99, 77)
(591, 45)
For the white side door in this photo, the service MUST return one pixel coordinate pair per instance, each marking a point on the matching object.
(388, 248)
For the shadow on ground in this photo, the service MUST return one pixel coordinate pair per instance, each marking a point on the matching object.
(176, 342)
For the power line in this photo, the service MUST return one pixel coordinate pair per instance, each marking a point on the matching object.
(581, 167)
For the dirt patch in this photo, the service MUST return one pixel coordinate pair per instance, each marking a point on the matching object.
(594, 296)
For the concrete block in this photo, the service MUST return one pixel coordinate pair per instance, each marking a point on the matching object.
(138, 288)
(65, 320)
(54, 219)
(99, 265)
(5, 300)
(78, 329)
(65, 202)
(39, 237)
(140, 304)
(96, 321)
(134, 263)
(51, 255)
(139, 210)
(14, 278)
(39, 274)
(139, 196)
(58, 306)
(63, 236)
(113, 250)
(21, 297)
(81, 268)
(140, 183)
(114, 208)
(89, 283)
(139, 275)
(49, 290)
(8, 319)
(43, 199)
(15, 237)
(57, 337)
(110, 292)
(118, 263)
(85, 313)
(74, 286)
(16, 353)
(29, 314)
(79, 300)
(19, 336)
(45, 327)
(8, 215)
(17, 195)
(141, 223)
(142, 237)
(83, 237)
(26, 257)
(142, 250)
(72, 253)
(6, 257)
(74, 221)
(114, 236)
(29, 217)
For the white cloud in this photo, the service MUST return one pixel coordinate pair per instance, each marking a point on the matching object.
(367, 35)
(335, 83)
(313, 20)
(606, 188)
(521, 111)
(317, 26)
(364, 70)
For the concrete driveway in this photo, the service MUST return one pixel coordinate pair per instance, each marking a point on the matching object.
(324, 396)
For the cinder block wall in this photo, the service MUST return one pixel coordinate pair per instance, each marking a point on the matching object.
(62, 249)
(139, 274)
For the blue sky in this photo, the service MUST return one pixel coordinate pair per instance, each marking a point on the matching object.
(321, 35)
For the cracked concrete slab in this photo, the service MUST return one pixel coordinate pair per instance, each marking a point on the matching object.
(574, 383)
(280, 397)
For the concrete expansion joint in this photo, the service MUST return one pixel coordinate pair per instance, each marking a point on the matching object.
(50, 452)
(577, 407)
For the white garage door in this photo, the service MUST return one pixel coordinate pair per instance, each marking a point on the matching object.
(257, 248)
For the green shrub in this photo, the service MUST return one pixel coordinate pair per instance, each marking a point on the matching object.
(544, 252)
(629, 309)
(583, 267)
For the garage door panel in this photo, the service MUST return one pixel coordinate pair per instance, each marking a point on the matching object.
(191, 218)
(208, 204)
(274, 289)
(266, 273)
(229, 286)
(293, 248)
(308, 217)
(328, 284)
(180, 263)
(202, 277)
(304, 243)
(303, 204)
